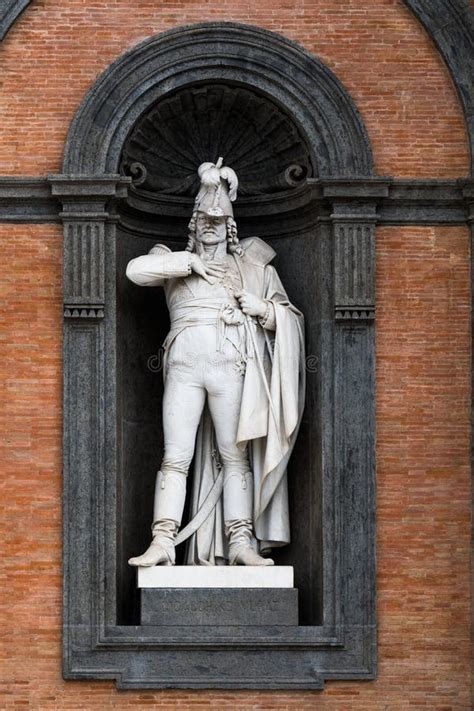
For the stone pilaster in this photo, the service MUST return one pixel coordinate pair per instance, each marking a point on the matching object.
(87, 204)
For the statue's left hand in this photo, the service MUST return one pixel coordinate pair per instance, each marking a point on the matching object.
(250, 304)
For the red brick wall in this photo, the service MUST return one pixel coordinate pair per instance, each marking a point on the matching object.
(415, 123)
(423, 505)
(376, 47)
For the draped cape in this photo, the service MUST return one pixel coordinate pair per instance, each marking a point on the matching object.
(276, 369)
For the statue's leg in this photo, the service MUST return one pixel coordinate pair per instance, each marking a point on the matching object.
(183, 403)
(224, 399)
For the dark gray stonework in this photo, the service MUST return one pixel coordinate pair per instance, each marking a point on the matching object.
(84, 215)
(10, 11)
(27, 200)
(398, 202)
(246, 607)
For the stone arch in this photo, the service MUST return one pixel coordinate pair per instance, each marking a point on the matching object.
(219, 52)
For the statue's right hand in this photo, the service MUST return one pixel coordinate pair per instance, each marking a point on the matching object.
(210, 271)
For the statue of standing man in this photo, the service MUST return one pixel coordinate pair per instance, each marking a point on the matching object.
(234, 384)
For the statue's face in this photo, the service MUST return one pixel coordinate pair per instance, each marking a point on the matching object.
(210, 230)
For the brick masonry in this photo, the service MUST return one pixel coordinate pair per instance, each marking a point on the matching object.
(407, 100)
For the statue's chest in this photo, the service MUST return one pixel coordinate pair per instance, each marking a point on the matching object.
(222, 289)
(232, 280)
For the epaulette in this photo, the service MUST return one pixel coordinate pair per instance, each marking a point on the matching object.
(257, 251)
(159, 249)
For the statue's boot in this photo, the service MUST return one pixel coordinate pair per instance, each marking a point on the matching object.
(161, 551)
(241, 544)
(170, 494)
(238, 504)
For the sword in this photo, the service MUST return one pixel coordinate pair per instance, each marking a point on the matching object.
(249, 326)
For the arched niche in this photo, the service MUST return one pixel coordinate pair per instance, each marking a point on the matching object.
(313, 200)
(269, 152)
(219, 52)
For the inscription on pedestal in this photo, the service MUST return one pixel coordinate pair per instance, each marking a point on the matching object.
(211, 606)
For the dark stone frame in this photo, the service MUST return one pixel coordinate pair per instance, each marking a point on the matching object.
(343, 646)
(448, 22)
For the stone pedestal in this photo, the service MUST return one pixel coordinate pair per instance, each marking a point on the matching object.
(201, 595)
(215, 576)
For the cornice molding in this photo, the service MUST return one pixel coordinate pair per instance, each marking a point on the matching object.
(398, 202)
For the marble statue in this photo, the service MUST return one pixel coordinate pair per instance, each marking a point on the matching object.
(234, 384)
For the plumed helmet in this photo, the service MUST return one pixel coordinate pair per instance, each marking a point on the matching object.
(218, 190)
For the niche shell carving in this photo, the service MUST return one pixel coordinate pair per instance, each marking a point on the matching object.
(258, 139)
(234, 384)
